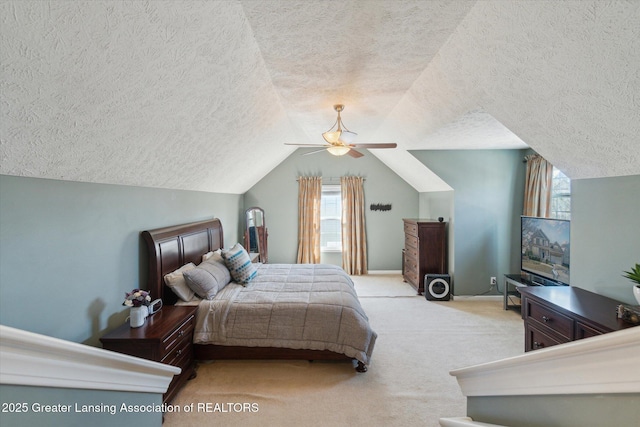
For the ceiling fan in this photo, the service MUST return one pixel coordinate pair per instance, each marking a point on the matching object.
(340, 140)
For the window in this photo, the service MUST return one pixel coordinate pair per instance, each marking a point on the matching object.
(560, 195)
(330, 219)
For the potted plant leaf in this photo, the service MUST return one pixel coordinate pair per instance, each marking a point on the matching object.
(634, 276)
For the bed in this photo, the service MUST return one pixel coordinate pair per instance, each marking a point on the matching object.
(319, 313)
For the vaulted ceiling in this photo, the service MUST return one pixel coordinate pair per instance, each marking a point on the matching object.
(202, 95)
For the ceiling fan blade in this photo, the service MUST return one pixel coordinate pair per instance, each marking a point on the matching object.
(306, 145)
(355, 154)
(380, 145)
(315, 152)
(340, 140)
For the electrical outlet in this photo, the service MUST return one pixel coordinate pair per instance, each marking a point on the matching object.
(493, 281)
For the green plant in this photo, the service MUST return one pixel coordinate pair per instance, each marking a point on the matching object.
(634, 274)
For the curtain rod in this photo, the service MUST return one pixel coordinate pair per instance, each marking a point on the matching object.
(524, 160)
(332, 178)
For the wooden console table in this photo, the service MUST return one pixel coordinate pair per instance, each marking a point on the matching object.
(559, 314)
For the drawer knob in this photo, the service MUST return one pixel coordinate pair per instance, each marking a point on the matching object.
(537, 344)
(179, 352)
(546, 319)
(181, 333)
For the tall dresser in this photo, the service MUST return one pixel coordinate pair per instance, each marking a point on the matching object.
(425, 250)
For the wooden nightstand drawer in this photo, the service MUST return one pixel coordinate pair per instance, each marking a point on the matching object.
(549, 318)
(184, 330)
(178, 351)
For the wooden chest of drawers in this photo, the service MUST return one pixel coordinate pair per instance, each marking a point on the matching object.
(166, 337)
(425, 250)
(558, 314)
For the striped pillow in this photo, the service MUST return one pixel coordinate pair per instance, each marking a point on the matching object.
(239, 264)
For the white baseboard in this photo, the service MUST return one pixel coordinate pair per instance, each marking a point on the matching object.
(464, 422)
(384, 272)
(478, 297)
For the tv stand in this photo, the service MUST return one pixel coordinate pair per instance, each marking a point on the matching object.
(511, 284)
(514, 281)
(560, 314)
(538, 282)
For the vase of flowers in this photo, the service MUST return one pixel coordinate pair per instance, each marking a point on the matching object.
(634, 276)
(138, 301)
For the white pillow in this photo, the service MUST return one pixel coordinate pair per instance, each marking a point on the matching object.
(176, 282)
(210, 254)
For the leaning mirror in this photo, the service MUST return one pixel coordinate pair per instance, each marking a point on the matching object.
(255, 236)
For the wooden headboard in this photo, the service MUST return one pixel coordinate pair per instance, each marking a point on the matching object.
(169, 248)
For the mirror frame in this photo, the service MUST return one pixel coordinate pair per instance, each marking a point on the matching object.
(260, 234)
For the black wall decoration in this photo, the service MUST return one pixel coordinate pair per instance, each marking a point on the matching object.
(380, 207)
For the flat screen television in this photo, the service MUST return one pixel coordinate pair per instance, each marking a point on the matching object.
(545, 244)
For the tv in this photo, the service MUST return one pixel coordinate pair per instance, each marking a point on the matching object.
(545, 247)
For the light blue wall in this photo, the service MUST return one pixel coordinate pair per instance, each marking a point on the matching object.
(69, 250)
(277, 194)
(488, 191)
(605, 234)
(437, 204)
(584, 410)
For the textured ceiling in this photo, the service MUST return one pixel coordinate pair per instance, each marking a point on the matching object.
(201, 95)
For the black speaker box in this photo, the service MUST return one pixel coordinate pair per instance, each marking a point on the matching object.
(437, 287)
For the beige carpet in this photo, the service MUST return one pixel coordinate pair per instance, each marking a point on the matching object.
(408, 382)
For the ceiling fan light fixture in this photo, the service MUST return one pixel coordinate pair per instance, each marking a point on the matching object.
(341, 140)
(341, 135)
(338, 150)
(332, 137)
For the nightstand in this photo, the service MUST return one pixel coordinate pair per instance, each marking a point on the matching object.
(166, 337)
